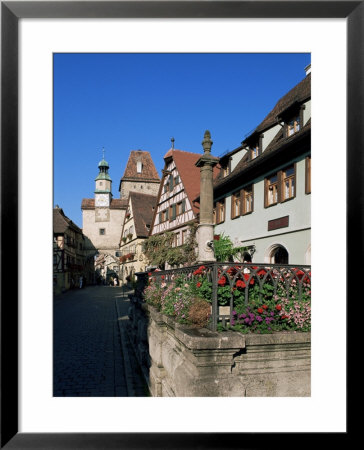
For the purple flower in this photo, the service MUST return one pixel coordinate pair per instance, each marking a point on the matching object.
(259, 319)
(246, 320)
(232, 322)
(234, 313)
(242, 316)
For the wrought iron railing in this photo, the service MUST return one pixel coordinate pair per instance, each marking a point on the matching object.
(282, 279)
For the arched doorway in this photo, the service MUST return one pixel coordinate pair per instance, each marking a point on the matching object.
(279, 255)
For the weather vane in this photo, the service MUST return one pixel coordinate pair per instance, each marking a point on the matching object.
(172, 140)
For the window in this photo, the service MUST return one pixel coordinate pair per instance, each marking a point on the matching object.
(139, 167)
(271, 190)
(101, 231)
(184, 236)
(225, 171)
(235, 205)
(288, 183)
(293, 126)
(247, 200)
(170, 182)
(178, 239)
(254, 151)
(172, 212)
(220, 211)
(308, 175)
(225, 168)
(281, 186)
(176, 180)
(180, 207)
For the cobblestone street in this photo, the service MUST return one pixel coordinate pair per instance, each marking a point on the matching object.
(91, 353)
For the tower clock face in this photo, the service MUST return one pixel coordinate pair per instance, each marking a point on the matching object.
(102, 200)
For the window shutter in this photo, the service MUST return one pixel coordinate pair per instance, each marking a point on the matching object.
(279, 187)
(265, 192)
(294, 180)
(170, 183)
(160, 217)
(232, 199)
(173, 211)
(183, 205)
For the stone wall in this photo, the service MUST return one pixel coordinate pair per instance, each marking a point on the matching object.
(182, 361)
(109, 242)
(143, 187)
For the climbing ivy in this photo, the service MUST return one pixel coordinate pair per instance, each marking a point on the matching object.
(158, 249)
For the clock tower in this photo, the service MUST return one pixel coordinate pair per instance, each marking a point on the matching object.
(103, 186)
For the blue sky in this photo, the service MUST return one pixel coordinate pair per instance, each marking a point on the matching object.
(124, 102)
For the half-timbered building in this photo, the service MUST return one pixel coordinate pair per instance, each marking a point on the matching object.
(180, 185)
(70, 260)
(135, 230)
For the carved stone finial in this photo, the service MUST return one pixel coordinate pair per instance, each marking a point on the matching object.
(207, 142)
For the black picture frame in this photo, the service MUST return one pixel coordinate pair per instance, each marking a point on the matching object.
(11, 12)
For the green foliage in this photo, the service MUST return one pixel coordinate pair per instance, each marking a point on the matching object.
(158, 249)
(224, 249)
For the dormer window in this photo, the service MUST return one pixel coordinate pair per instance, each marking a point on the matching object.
(293, 125)
(225, 171)
(139, 167)
(254, 151)
(225, 167)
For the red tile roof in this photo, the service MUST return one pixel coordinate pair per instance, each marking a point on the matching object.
(116, 203)
(188, 172)
(149, 172)
(143, 206)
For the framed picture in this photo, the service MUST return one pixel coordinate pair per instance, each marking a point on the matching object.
(12, 284)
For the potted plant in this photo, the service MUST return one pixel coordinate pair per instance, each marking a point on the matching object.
(130, 236)
(123, 239)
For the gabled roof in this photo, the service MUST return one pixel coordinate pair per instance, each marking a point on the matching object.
(61, 222)
(276, 144)
(188, 172)
(298, 94)
(143, 209)
(116, 203)
(148, 173)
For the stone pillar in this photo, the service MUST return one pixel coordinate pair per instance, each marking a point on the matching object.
(206, 163)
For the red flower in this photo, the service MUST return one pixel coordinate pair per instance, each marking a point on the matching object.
(260, 310)
(222, 281)
(278, 307)
(246, 276)
(261, 272)
(284, 317)
(162, 277)
(149, 274)
(198, 284)
(265, 307)
(240, 284)
(197, 272)
(299, 273)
